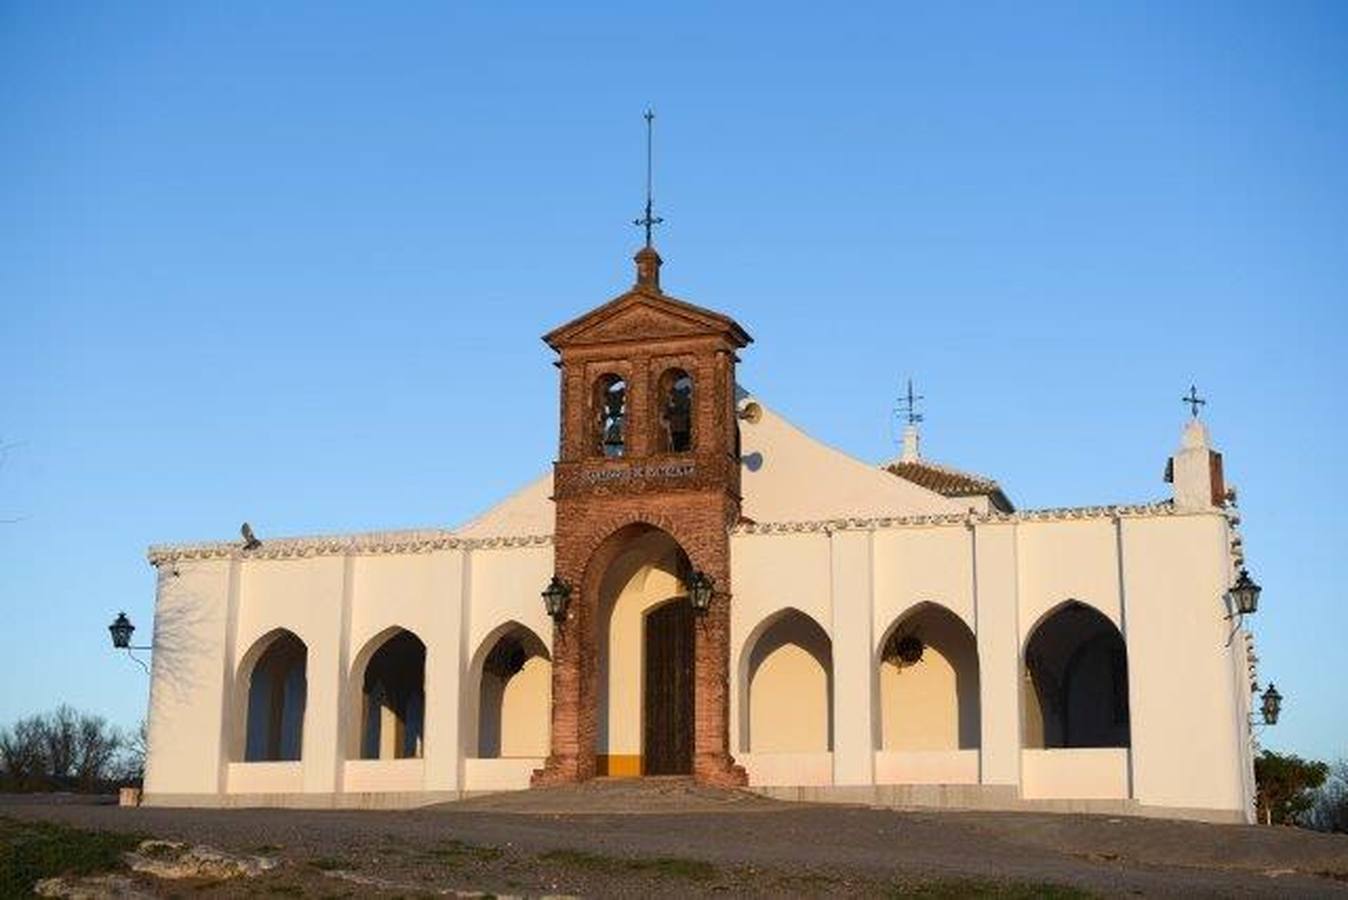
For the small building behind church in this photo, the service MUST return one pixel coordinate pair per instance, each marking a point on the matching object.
(727, 598)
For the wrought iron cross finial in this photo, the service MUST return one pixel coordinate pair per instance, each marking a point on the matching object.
(908, 405)
(648, 220)
(1194, 401)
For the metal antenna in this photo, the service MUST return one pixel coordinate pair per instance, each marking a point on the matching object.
(1194, 401)
(648, 220)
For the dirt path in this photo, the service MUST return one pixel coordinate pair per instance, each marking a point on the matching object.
(678, 839)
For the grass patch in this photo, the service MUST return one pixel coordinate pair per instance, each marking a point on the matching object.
(31, 851)
(456, 853)
(807, 882)
(661, 866)
(978, 887)
(328, 863)
(286, 889)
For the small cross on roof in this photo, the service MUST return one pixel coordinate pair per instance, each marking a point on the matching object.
(1193, 400)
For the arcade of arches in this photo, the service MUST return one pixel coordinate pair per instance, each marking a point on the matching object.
(1075, 683)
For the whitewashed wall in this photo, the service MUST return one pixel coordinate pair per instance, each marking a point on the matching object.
(212, 613)
(1159, 576)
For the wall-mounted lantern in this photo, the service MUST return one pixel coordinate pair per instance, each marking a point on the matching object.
(1271, 705)
(556, 597)
(1244, 594)
(121, 630)
(700, 590)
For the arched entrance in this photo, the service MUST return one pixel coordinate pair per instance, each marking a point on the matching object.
(646, 658)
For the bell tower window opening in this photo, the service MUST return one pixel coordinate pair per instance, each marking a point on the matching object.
(676, 411)
(610, 403)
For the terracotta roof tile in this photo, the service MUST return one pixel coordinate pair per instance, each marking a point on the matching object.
(949, 482)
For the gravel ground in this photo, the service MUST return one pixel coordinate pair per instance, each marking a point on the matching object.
(659, 838)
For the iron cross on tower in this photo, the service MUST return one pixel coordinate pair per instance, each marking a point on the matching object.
(1193, 401)
(649, 219)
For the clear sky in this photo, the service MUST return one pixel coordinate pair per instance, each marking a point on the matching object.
(290, 264)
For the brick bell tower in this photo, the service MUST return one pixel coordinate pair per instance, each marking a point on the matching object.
(649, 440)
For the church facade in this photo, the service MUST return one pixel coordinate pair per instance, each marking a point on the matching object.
(698, 588)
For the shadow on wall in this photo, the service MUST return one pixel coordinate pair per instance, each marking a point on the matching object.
(186, 627)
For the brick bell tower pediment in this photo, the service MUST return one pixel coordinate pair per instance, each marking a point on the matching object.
(645, 313)
(642, 315)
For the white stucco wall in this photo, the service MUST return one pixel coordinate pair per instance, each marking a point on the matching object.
(1186, 720)
(846, 547)
(186, 715)
(342, 606)
(1158, 576)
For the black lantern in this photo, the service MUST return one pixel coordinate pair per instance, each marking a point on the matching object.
(1244, 594)
(700, 590)
(121, 629)
(1272, 705)
(555, 598)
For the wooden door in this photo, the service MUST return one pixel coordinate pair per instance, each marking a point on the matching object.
(668, 695)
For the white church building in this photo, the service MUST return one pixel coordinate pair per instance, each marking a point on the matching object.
(730, 599)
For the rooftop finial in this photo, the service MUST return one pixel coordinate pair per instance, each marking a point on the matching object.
(649, 219)
(907, 408)
(908, 405)
(1193, 400)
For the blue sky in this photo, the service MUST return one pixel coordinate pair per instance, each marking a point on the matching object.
(291, 265)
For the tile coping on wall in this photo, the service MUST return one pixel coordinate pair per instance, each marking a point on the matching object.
(427, 540)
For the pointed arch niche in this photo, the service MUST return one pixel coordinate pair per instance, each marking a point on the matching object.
(272, 692)
(389, 681)
(930, 702)
(1075, 681)
(514, 694)
(786, 678)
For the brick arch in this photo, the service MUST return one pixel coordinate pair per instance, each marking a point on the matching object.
(610, 527)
